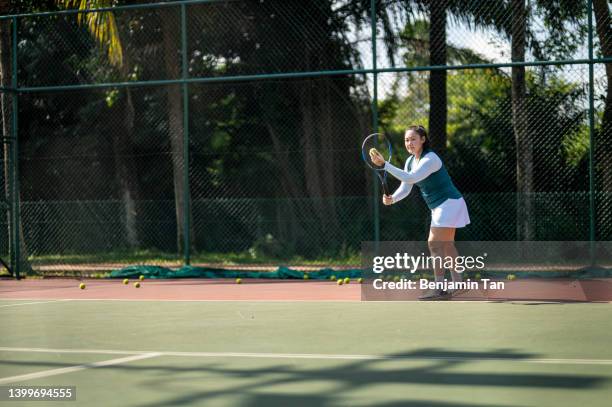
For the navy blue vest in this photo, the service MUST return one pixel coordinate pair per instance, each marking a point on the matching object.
(436, 188)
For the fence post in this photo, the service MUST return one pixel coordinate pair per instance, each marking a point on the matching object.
(185, 89)
(375, 118)
(14, 166)
(592, 224)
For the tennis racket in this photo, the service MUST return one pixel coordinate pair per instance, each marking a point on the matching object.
(380, 143)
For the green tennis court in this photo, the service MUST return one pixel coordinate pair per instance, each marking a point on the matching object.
(160, 353)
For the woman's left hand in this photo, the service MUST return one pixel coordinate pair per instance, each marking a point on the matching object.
(376, 157)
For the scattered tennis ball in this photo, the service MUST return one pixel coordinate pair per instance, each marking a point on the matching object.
(137, 284)
(340, 281)
(360, 280)
(332, 278)
(82, 286)
(477, 276)
(397, 278)
(126, 281)
(141, 278)
(511, 277)
(306, 276)
(238, 281)
(347, 280)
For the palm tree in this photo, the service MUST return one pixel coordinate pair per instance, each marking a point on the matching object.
(524, 149)
(437, 78)
(170, 26)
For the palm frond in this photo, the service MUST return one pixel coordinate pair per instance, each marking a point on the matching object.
(101, 25)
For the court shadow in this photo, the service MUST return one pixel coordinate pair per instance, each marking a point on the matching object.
(270, 400)
(267, 385)
(430, 368)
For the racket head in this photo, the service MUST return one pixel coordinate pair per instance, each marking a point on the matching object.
(381, 143)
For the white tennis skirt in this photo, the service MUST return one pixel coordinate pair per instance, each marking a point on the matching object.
(453, 213)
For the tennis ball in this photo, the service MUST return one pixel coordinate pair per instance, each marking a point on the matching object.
(137, 284)
(126, 281)
(511, 277)
(141, 278)
(332, 278)
(360, 280)
(373, 153)
(477, 276)
(238, 281)
(82, 286)
(340, 281)
(306, 276)
(347, 280)
(397, 278)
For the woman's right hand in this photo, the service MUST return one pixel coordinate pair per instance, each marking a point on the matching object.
(387, 200)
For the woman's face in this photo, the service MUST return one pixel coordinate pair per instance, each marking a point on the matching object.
(413, 142)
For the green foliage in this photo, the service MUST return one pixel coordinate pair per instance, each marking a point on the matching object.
(480, 133)
(576, 146)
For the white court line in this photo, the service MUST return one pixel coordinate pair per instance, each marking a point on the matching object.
(94, 351)
(64, 370)
(557, 361)
(30, 303)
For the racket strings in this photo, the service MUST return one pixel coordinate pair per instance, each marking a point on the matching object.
(378, 143)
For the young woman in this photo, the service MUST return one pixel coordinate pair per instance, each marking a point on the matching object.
(448, 209)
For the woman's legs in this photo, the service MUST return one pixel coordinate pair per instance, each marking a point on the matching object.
(441, 243)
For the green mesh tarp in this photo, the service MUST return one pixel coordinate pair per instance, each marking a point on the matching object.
(206, 272)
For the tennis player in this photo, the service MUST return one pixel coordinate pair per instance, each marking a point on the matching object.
(425, 169)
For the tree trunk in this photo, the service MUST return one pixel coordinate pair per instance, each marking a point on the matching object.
(290, 185)
(309, 144)
(524, 149)
(328, 136)
(437, 78)
(126, 171)
(171, 29)
(312, 158)
(603, 140)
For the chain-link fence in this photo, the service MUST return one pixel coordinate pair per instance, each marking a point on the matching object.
(224, 132)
